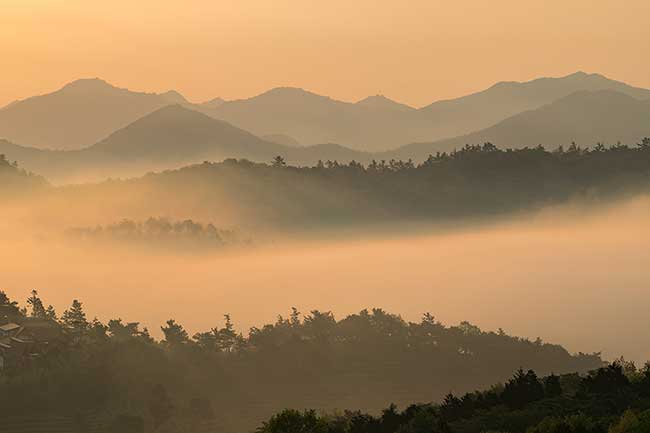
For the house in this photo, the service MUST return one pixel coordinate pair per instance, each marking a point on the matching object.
(6, 330)
(20, 342)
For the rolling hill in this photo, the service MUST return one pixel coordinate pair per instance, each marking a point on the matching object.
(585, 118)
(77, 115)
(483, 109)
(169, 137)
(377, 123)
(87, 111)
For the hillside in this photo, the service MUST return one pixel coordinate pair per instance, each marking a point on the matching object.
(15, 180)
(583, 117)
(170, 137)
(483, 109)
(236, 380)
(377, 123)
(77, 115)
(87, 111)
(610, 399)
(478, 182)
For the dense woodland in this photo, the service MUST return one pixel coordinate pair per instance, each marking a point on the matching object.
(612, 399)
(473, 182)
(160, 233)
(117, 377)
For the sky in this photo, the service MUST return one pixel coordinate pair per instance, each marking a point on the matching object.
(415, 51)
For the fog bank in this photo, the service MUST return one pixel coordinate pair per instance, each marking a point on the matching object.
(568, 275)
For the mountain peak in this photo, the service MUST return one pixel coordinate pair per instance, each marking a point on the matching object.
(581, 75)
(578, 74)
(280, 94)
(174, 97)
(87, 83)
(380, 101)
(213, 103)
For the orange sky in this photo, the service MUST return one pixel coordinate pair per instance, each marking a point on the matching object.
(414, 51)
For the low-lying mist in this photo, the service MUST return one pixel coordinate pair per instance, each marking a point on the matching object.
(570, 275)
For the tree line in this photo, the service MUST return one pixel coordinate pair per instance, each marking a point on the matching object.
(221, 377)
(160, 232)
(475, 181)
(612, 399)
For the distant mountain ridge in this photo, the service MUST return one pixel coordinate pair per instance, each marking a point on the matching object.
(377, 123)
(77, 115)
(176, 135)
(583, 117)
(488, 107)
(87, 111)
(170, 137)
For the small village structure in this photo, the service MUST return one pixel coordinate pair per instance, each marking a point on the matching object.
(21, 343)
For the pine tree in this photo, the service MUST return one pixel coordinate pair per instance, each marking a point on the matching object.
(75, 318)
(38, 310)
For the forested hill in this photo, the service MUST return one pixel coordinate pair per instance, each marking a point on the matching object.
(230, 382)
(612, 399)
(473, 182)
(15, 180)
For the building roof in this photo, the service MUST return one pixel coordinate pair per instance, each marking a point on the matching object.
(9, 327)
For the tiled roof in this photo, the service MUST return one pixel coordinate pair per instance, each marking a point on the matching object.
(9, 327)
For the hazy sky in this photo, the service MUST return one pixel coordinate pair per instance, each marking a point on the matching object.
(414, 51)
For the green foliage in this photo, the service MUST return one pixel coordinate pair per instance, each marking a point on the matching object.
(174, 333)
(293, 421)
(222, 377)
(470, 182)
(9, 310)
(522, 389)
(570, 424)
(74, 319)
(552, 386)
(632, 422)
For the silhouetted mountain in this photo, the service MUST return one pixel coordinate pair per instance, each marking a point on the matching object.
(176, 134)
(311, 119)
(79, 114)
(380, 102)
(170, 137)
(212, 103)
(483, 109)
(281, 139)
(377, 123)
(86, 111)
(583, 117)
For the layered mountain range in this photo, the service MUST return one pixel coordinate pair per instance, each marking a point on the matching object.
(91, 129)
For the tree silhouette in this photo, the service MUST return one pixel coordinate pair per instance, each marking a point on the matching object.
(174, 333)
(36, 305)
(279, 161)
(75, 318)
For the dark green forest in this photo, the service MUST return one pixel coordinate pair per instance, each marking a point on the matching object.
(114, 377)
(476, 181)
(611, 399)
